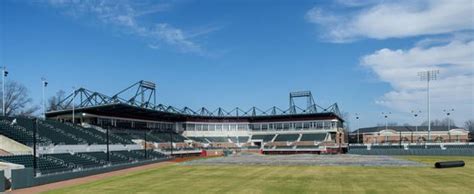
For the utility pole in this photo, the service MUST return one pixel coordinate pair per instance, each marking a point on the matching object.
(44, 84)
(358, 129)
(448, 113)
(385, 114)
(416, 113)
(428, 76)
(4, 75)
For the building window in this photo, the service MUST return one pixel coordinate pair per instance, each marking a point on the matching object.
(233, 127)
(306, 125)
(219, 127)
(319, 125)
(242, 127)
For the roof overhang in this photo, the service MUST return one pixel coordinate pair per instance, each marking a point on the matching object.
(122, 110)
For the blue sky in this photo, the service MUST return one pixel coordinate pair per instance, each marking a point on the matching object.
(364, 55)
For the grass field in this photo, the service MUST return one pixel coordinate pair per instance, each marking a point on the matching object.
(290, 179)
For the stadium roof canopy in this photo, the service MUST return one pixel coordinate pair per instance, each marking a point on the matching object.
(139, 100)
(127, 111)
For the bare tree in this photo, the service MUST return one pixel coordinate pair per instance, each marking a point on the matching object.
(17, 101)
(392, 124)
(469, 124)
(53, 101)
(443, 123)
(448, 121)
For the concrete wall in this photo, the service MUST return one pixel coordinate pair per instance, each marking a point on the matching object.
(12, 146)
(2, 182)
(22, 178)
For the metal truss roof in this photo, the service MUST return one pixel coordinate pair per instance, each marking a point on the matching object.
(143, 94)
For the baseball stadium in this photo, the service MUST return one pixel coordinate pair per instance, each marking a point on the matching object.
(139, 146)
(236, 96)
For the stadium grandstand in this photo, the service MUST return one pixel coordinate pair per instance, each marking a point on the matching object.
(90, 132)
(181, 131)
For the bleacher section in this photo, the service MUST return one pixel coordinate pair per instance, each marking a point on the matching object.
(45, 165)
(115, 158)
(66, 147)
(76, 160)
(287, 137)
(20, 134)
(53, 163)
(307, 147)
(58, 136)
(251, 147)
(199, 139)
(217, 139)
(265, 138)
(53, 132)
(92, 136)
(313, 137)
(284, 147)
(243, 139)
(165, 137)
(239, 139)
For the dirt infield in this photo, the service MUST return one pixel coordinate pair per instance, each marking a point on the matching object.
(305, 160)
(87, 179)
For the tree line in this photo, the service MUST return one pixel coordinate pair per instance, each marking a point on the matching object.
(19, 103)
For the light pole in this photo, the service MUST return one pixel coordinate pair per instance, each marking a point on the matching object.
(428, 76)
(448, 113)
(416, 113)
(4, 75)
(44, 84)
(358, 129)
(385, 114)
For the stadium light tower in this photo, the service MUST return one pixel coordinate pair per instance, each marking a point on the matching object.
(44, 84)
(416, 113)
(4, 75)
(428, 76)
(448, 113)
(385, 115)
(358, 132)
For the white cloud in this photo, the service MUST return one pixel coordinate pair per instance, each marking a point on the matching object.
(394, 19)
(174, 36)
(126, 15)
(453, 89)
(446, 27)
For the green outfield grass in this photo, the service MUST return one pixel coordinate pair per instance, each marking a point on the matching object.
(292, 179)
